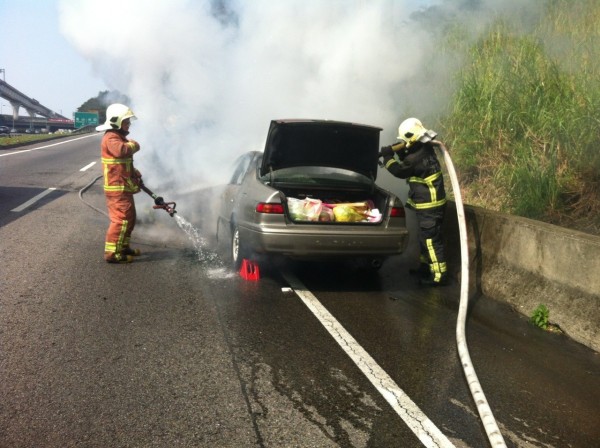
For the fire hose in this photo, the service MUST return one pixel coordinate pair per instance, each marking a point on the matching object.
(159, 202)
(485, 413)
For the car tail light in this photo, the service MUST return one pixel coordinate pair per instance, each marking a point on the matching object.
(397, 212)
(266, 207)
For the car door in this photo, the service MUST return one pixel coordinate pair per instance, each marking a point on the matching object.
(231, 192)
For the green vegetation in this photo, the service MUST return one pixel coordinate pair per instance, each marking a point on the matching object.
(524, 128)
(539, 318)
(15, 140)
(19, 139)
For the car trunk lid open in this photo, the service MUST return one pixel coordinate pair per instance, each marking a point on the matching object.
(348, 146)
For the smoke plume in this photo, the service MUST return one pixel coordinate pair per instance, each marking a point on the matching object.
(206, 77)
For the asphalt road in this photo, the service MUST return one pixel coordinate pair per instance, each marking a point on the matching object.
(176, 350)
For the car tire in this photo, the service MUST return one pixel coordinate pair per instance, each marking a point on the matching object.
(238, 249)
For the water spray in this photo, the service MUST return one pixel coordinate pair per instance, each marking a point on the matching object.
(191, 231)
(485, 413)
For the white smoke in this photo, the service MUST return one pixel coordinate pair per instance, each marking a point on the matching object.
(206, 77)
(206, 80)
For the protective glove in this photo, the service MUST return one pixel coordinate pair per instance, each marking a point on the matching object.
(136, 177)
(386, 159)
(386, 152)
(135, 146)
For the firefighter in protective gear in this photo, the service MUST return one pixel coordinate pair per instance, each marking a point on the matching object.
(413, 158)
(121, 182)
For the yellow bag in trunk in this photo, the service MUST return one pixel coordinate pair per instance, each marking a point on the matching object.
(347, 213)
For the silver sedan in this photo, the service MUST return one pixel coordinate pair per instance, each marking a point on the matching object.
(311, 195)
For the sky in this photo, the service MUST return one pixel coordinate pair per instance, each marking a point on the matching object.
(205, 77)
(40, 62)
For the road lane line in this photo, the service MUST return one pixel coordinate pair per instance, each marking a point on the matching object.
(429, 435)
(33, 200)
(46, 146)
(88, 166)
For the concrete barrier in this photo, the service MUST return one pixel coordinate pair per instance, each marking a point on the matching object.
(527, 263)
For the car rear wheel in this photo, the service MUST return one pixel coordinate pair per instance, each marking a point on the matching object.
(238, 250)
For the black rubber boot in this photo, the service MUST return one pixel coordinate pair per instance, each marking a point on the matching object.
(430, 280)
(129, 251)
(123, 259)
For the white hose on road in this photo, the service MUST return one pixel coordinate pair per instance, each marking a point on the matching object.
(487, 417)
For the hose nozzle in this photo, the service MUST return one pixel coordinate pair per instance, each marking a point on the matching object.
(428, 136)
(169, 207)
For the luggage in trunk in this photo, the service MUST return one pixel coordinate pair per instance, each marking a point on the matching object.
(336, 206)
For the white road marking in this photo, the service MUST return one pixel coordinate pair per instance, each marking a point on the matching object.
(89, 165)
(46, 146)
(429, 435)
(33, 200)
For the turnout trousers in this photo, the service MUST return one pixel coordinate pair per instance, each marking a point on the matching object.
(431, 243)
(121, 211)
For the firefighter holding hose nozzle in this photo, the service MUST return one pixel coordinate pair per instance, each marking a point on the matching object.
(413, 158)
(121, 182)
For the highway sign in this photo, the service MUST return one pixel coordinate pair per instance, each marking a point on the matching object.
(85, 119)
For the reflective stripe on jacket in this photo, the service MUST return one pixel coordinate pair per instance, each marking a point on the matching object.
(421, 169)
(426, 193)
(117, 164)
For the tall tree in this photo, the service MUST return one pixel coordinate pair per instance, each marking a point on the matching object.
(101, 102)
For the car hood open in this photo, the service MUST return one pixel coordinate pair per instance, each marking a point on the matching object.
(350, 146)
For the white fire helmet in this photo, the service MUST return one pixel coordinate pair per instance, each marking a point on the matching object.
(115, 114)
(411, 130)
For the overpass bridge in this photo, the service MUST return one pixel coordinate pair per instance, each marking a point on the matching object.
(39, 115)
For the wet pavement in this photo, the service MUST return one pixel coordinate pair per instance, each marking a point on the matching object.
(177, 350)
